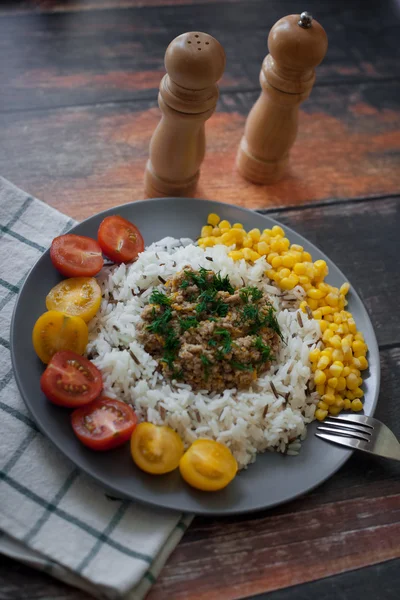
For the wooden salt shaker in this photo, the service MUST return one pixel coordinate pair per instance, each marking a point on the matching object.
(188, 96)
(297, 44)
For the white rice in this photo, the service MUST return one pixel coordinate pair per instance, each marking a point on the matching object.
(248, 421)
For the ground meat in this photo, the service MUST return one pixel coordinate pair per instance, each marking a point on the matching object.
(212, 338)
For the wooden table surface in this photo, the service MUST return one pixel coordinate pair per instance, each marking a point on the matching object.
(78, 105)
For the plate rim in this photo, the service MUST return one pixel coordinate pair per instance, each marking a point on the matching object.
(102, 481)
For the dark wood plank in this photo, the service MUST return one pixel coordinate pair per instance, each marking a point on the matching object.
(351, 521)
(83, 160)
(379, 582)
(91, 56)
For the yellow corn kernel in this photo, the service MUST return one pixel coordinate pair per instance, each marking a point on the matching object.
(276, 230)
(276, 262)
(213, 219)
(332, 299)
(206, 231)
(303, 305)
(304, 280)
(337, 355)
(236, 254)
(323, 362)
(344, 289)
(352, 381)
(359, 348)
(321, 414)
(317, 315)
(320, 389)
(288, 261)
(336, 368)
(314, 355)
(347, 404)
(341, 384)
(327, 352)
(262, 248)
(334, 410)
(326, 310)
(332, 382)
(358, 393)
(329, 398)
(285, 243)
(329, 318)
(327, 335)
(334, 326)
(356, 405)
(228, 238)
(313, 304)
(237, 225)
(216, 231)
(321, 404)
(337, 318)
(306, 257)
(239, 234)
(346, 371)
(247, 242)
(363, 363)
(352, 326)
(356, 363)
(271, 257)
(339, 402)
(224, 225)
(276, 245)
(306, 286)
(359, 336)
(288, 283)
(336, 342)
(209, 241)
(250, 254)
(322, 324)
(255, 234)
(315, 294)
(319, 377)
(299, 268)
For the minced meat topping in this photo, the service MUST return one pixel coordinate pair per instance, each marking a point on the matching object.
(206, 333)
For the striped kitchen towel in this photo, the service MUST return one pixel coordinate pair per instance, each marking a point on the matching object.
(53, 517)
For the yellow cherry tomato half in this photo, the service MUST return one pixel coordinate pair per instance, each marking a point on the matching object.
(76, 297)
(208, 465)
(156, 449)
(54, 331)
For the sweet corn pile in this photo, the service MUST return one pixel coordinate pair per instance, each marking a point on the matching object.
(337, 367)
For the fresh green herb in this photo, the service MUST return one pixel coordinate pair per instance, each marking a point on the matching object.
(206, 363)
(212, 343)
(222, 284)
(158, 297)
(187, 323)
(160, 323)
(242, 366)
(206, 297)
(264, 349)
(226, 339)
(272, 322)
(250, 292)
(171, 345)
(257, 320)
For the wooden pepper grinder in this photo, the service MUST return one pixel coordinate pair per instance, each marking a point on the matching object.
(188, 95)
(297, 44)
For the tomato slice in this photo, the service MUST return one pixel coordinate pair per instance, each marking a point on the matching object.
(119, 239)
(76, 255)
(208, 465)
(77, 297)
(71, 380)
(156, 449)
(104, 423)
(54, 331)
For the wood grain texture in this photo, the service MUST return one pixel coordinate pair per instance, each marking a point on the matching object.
(83, 160)
(93, 56)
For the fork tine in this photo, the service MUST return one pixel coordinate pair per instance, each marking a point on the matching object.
(349, 426)
(345, 434)
(360, 419)
(347, 442)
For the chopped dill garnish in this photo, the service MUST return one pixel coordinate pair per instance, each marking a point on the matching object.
(160, 323)
(187, 323)
(226, 339)
(242, 366)
(250, 292)
(222, 284)
(264, 349)
(212, 343)
(206, 363)
(158, 297)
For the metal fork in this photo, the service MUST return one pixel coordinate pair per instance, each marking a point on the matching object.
(362, 433)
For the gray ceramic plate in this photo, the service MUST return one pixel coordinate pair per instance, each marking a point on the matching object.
(274, 478)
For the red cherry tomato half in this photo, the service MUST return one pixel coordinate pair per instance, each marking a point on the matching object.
(71, 380)
(104, 424)
(76, 255)
(119, 239)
